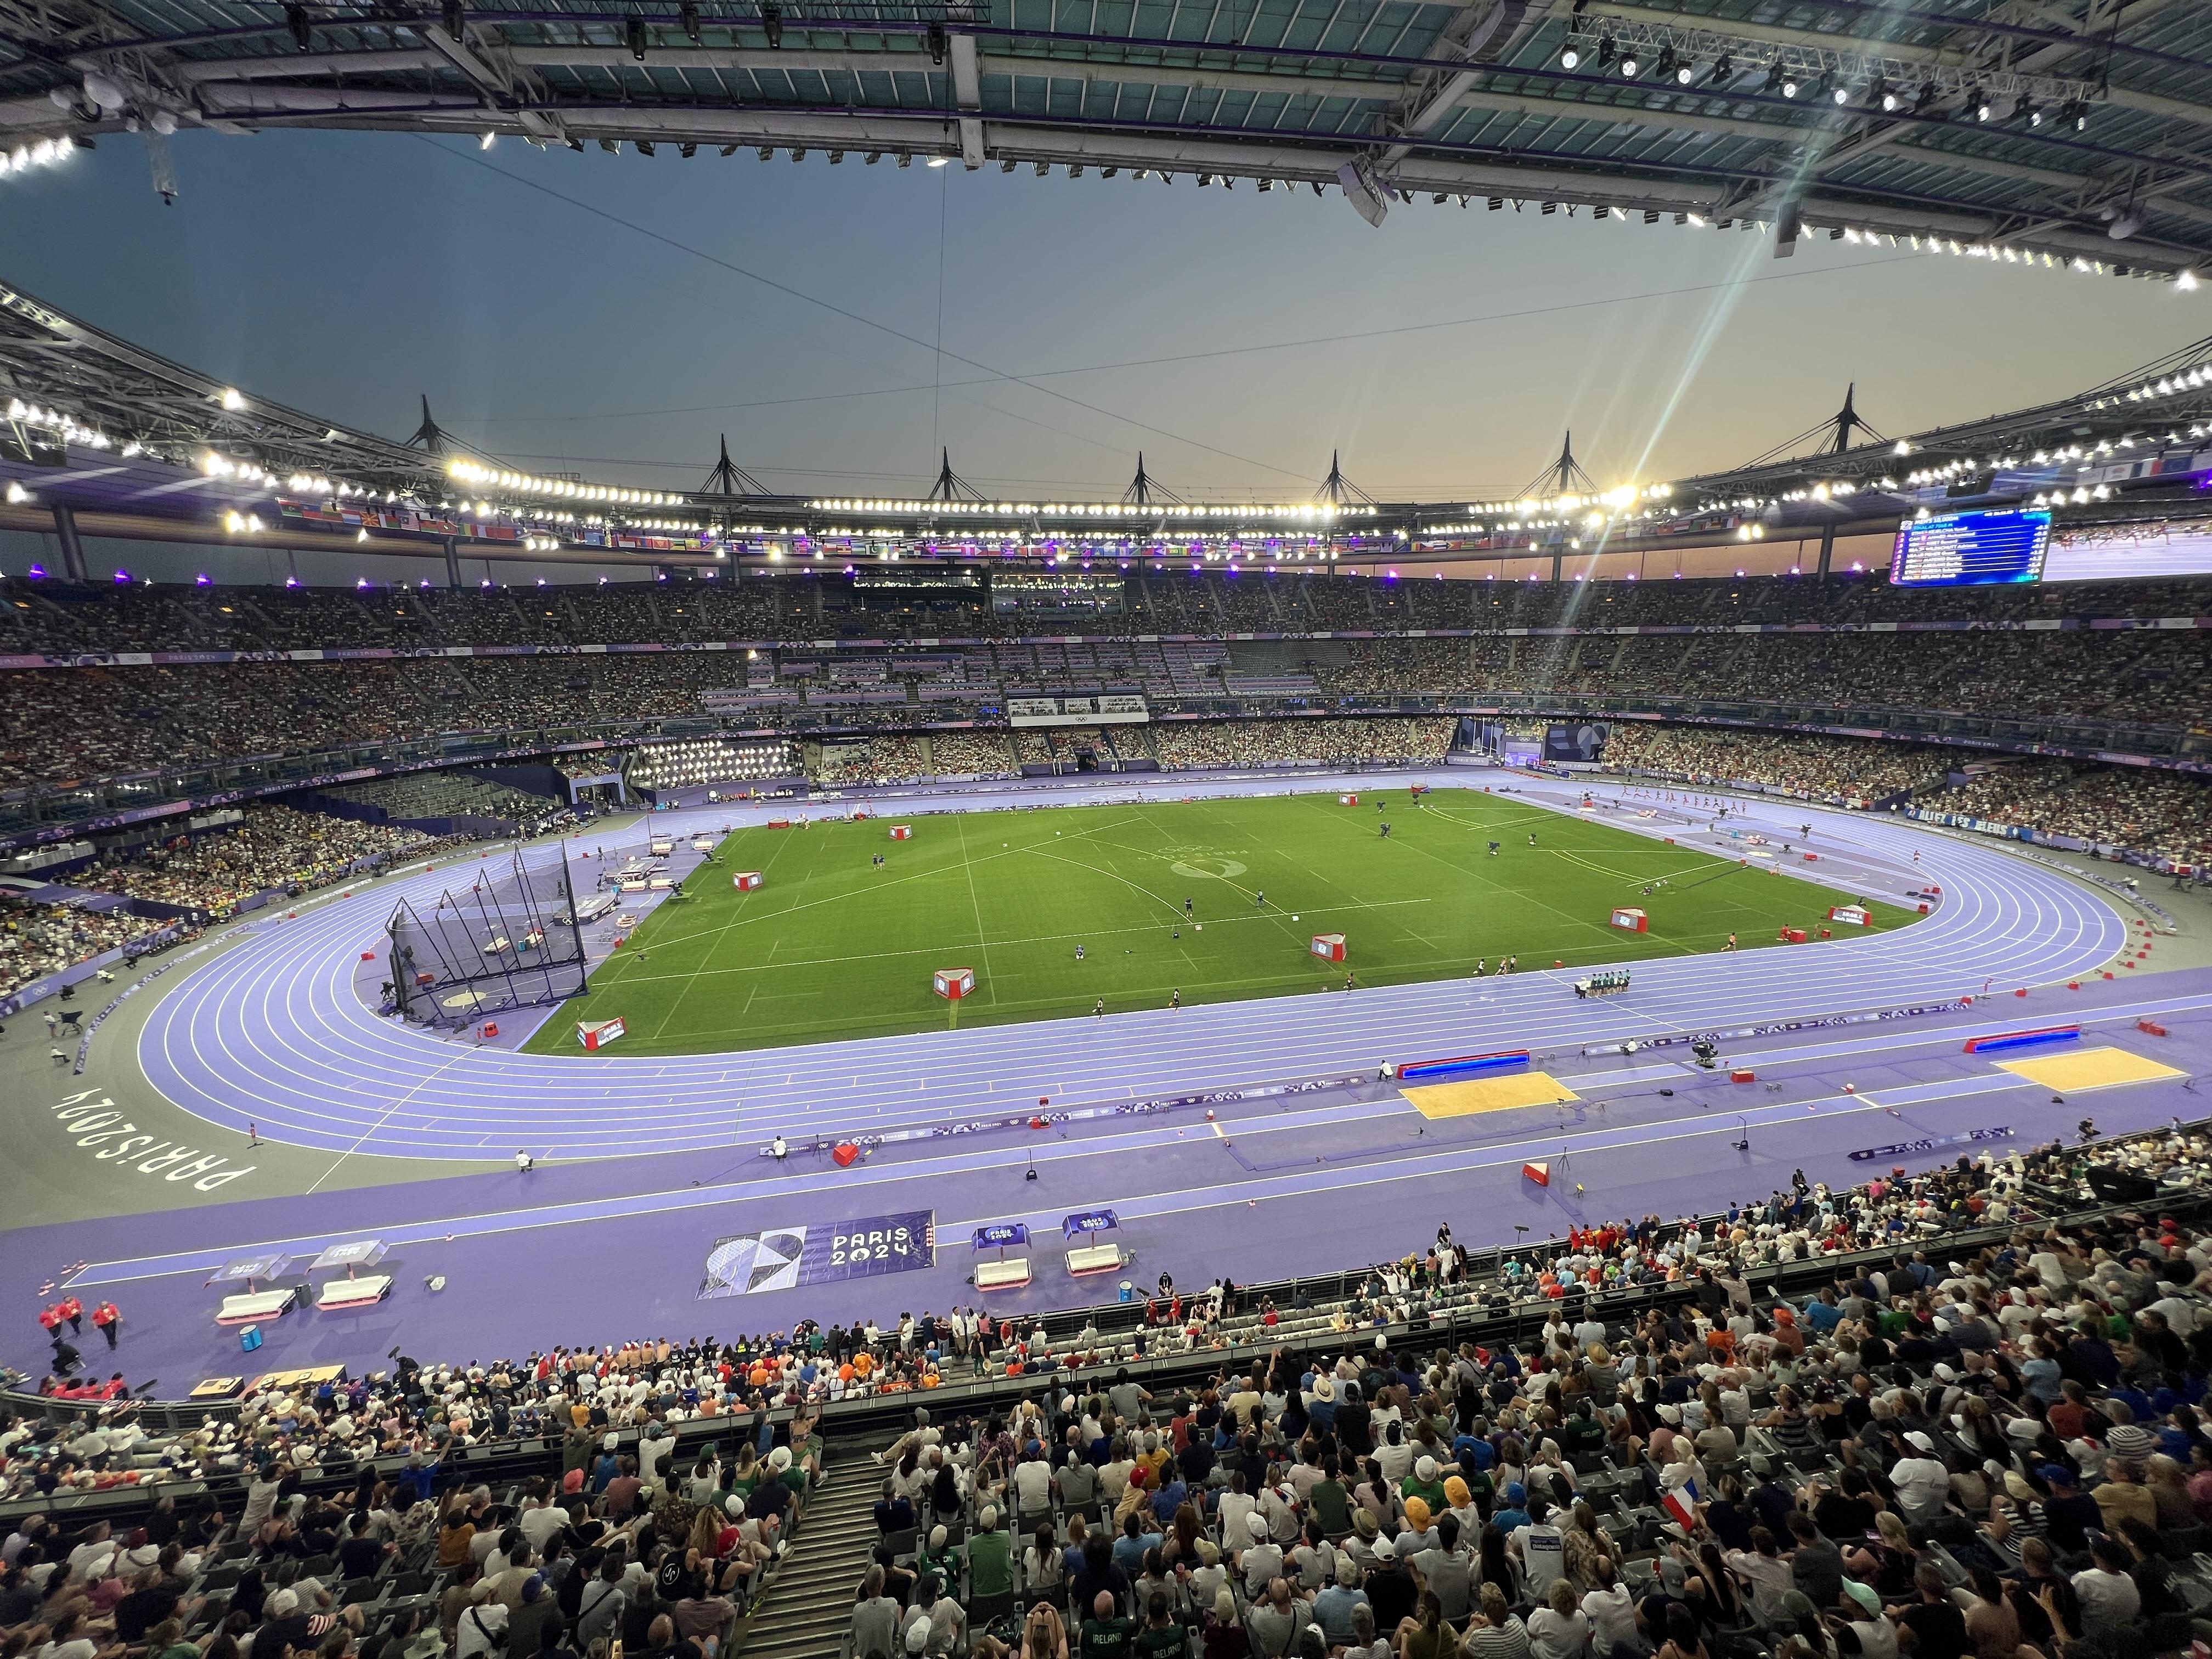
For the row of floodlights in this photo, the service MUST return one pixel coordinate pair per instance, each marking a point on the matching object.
(1881, 93)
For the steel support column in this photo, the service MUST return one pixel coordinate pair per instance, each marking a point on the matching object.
(73, 564)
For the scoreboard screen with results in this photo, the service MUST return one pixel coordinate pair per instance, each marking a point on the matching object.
(1968, 550)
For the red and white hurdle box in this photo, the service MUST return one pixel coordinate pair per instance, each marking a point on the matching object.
(1633, 920)
(1851, 915)
(953, 983)
(901, 832)
(1347, 800)
(596, 1034)
(745, 880)
(1329, 947)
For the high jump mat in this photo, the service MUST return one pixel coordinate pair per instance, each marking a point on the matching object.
(2088, 1068)
(1489, 1094)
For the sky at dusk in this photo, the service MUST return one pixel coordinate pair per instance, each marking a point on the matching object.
(348, 273)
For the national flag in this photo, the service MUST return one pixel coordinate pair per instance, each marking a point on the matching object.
(1682, 1504)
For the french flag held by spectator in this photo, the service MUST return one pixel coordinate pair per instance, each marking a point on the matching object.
(1682, 1504)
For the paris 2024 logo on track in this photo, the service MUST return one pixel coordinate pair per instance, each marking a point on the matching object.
(1200, 862)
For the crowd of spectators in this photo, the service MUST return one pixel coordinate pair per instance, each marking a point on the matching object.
(54, 618)
(1852, 771)
(2136, 808)
(1186, 746)
(2146, 811)
(60, 725)
(970, 755)
(890, 758)
(37, 938)
(207, 872)
(1985, 1437)
(445, 793)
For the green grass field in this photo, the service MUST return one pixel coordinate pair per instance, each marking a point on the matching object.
(831, 947)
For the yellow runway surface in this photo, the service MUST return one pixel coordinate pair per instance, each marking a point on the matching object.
(2088, 1068)
(1489, 1094)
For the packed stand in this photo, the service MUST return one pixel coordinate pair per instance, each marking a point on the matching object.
(970, 755)
(2160, 813)
(1992, 1446)
(38, 939)
(445, 794)
(58, 619)
(64, 725)
(206, 873)
(1844, 770)
(884, 760)
(1380, 742)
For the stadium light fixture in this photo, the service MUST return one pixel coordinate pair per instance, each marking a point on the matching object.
(302, 28)
(688, 16)
(1723, 71)
(1665, 67)
(633, 33)
(771, 15)
(456, 19)
(940, 161)
(1571, 53)
(487, 140)
(1606, 52)
(1629, 65)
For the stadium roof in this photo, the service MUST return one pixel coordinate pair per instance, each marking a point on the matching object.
(92, 425)
(2071, 130)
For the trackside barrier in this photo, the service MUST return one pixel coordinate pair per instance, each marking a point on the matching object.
(1433, 1071)
(1781, 1027)
(2045, 1037)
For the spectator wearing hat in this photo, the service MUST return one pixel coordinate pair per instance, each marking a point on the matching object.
(990, 1557)
(1920, 1479)
(1390, 1589)
(1426, 1483)
(1332, 1606)
(1512, 1514)
(2069, 1513)
(2110, 1600)
(527, 1620)
(1863, 1616)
